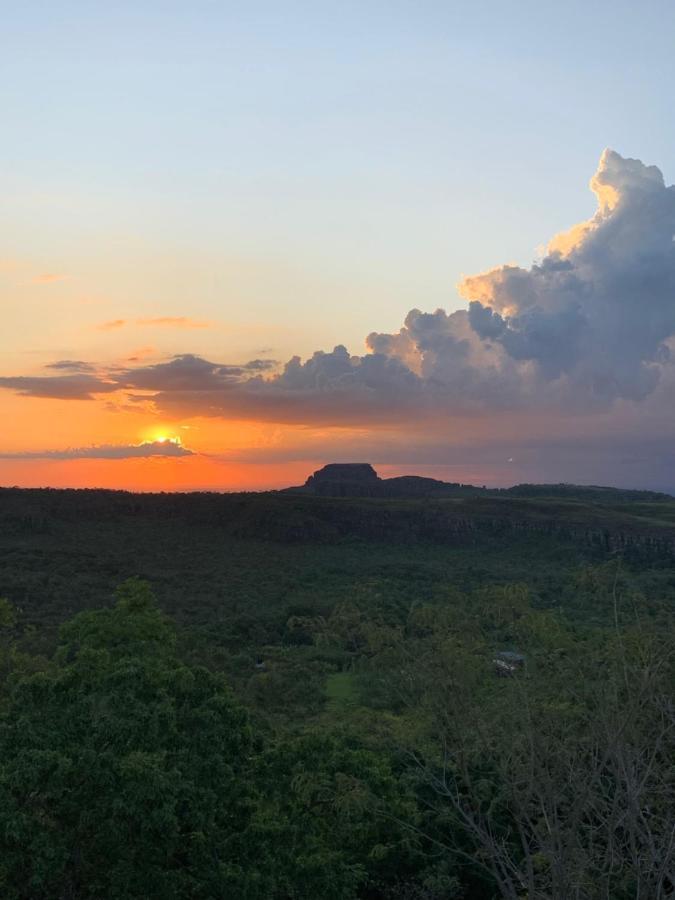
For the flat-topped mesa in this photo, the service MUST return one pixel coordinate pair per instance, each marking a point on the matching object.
(345, 472)
(344, 480)
(361, 480)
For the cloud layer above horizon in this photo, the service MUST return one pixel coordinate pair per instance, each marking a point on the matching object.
(587, 331)
(145, 450)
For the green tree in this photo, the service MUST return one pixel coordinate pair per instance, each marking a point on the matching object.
(123, 773)
(333, 811)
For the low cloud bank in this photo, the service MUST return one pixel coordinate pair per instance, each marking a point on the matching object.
(75, 386)
(147, 449)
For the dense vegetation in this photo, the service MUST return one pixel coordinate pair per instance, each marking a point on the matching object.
(283, 696)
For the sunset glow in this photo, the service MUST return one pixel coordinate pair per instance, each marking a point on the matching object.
(206, 284)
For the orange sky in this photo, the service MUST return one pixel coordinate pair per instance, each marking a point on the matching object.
(155, 474)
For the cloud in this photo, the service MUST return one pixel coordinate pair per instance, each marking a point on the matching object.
(184, 322)
(190, 373)
(59, 387)
(71, 365)
(586, 329)
(141, 353)
(597, 312)
(587, 326)
(329, 387)
(169, 448)
(182, 374)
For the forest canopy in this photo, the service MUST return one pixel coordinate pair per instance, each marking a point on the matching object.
(489, 716)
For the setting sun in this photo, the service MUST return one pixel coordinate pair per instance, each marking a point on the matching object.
(161, 437)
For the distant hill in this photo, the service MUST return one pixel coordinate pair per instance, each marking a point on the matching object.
(361, 480)
(340, 504)
(351, 502)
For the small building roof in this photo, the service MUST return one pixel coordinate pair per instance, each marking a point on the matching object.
(510, 656)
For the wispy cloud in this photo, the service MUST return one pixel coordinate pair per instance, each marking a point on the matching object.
(71, 365)
(172, 322)
(179, 322)
(141, 353)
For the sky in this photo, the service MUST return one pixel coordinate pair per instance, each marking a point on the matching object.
(241, 240)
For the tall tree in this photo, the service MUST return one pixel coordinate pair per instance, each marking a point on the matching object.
(123, 773)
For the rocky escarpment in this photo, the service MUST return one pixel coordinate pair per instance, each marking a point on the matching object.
(463, 521)
(351, 503)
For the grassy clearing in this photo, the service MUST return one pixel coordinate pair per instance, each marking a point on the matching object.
(340, 689)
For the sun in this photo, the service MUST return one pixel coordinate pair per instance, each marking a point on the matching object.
(164, 438)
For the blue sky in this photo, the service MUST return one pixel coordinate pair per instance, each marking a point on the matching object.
(383, 147)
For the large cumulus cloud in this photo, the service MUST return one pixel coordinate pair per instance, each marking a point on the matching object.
(587, 325)
(599, 309)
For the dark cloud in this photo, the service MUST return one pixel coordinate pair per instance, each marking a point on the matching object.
(167, 448)
(331, 388)
(186, 373)
(71, 365)
(59, 387)
(190, 373)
